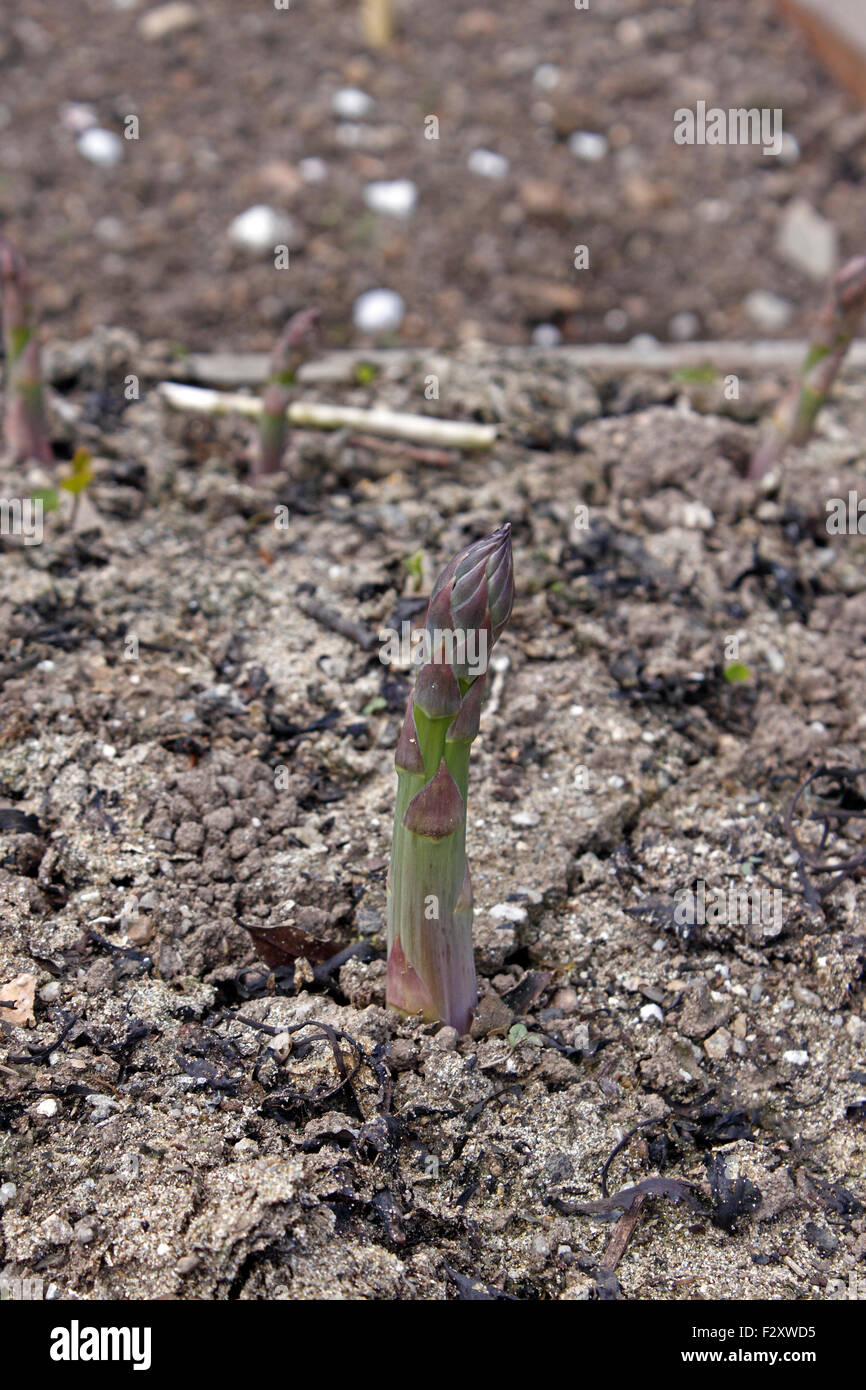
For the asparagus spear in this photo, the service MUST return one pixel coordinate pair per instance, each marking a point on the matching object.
(431, 965)
(292, 348)
(835, 328)
(24, 423)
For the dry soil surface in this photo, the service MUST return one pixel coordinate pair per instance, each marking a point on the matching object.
(188, 750)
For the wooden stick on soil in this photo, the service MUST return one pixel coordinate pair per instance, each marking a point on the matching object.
(623, 1232)
(389, 424)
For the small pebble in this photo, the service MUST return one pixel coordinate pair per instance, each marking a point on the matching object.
(379, 311)
(684, 326)
(262, 228)
(313, 170)
(508, 912)
(769, 312)
(101, 147)
(57, 1230)
(50, 993)
(616, 320)
(795, 1058)
(790, 152)
(546, 76)
(167, 19)
(281, 1046)
(717, 1044)
(488, 164)
(651, 1011)
(47, 1107)
(695, 516)
(391, 197)
(714, 210)
(546, 335)
(77, 117)
(351, 104)
(807, 240)
(101, 1107)
(8, 1193)
(588, 145)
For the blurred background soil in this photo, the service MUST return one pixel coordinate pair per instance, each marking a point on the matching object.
(234, 96)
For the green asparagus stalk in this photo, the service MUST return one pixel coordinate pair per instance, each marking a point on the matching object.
(291, 350)
(431, 964)
(24, 423)
(834, 330)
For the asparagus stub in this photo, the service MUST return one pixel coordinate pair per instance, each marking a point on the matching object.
(24, 425)
(834, 330)
(431, 964)
(291, 350)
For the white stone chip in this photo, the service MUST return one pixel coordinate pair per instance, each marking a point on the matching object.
(262, 228)
(588, 145)
(488, 164)
(391, 197)
(378, 311)
(351, 104)
(101, 147)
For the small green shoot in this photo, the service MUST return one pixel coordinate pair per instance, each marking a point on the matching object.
(737, 673)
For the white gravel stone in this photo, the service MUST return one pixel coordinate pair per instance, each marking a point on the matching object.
(588, 145)
(508, 912)
(546, 335)
(718, 1044)
(616, 320)
(807, 240)
(167, 19)
(378, 311)
(109, 229)
(684, 326)
(696, 516)
(102, 147)
(47, 1107)
(261, 228)
(714, 210)
(790, 152)
(651, 1012)
(8, 1193)
(488, 164)
(391, 197)
(546, 76)
(795, 1058)
(769, 312)
(313, 170)
(351, 104)
(75, 116)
